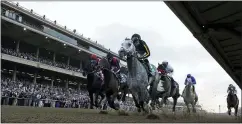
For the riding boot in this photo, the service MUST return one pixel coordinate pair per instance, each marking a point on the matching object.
(150, 90)
(173, 85)
(184, 91)
(148, 68)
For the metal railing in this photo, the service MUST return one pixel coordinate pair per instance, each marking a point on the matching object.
(15, 101)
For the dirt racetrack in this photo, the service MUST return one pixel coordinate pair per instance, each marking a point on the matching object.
(13, 114)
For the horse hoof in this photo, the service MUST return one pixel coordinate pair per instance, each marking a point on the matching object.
(139, 110)
(152, 116)
(123, 113)
(103, 112)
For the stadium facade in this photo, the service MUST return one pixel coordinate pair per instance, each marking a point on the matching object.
(52, 50)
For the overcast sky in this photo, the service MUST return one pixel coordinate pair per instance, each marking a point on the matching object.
(167, 37)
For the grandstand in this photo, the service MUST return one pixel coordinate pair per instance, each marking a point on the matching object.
(41, 58)
(35, 44)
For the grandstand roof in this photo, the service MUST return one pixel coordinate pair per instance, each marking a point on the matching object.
(40, 18)
(218, 27)
(38, 40)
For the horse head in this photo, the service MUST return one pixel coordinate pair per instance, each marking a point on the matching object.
(127, 49)
(88, 68)
(104, 64)
(161, 69)
(231, 92)
(189, 86)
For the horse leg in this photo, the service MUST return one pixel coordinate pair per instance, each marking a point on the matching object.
(188, 109)
(229, 110)
(193, 108)
(135, 96)
(91, 100)
(236, 110)
(174, 103)
(124, 95)
(110, 101)
(96, 99)
(104, 107)
(196, 98)
(102, 98)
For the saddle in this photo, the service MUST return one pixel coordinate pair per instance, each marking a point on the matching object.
(101, 80)
(148, 71)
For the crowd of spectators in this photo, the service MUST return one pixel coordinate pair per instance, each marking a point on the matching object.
(23, 92)
(32, 57)
(30, 94)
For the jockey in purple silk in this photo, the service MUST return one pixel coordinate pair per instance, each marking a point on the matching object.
(191, 79)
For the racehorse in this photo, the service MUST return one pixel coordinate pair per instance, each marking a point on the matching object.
(154, 79)
(189, 96)
(137, 76)
(93, 84)
(123, 88)
(232, 102)
(162, 88)
(111, 83)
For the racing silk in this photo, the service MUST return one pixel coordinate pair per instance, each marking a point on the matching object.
(191, 79)
(232, 88)
(115, 64)
(143, 50)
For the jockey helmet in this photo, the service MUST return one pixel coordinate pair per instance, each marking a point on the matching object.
(136, 36)
(230, 85)
(165, 63)
(189, 75)
(109, 56)
(93, 56)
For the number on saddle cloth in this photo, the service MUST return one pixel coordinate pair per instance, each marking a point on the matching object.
(100, 77)
(123, 78)
(152, 68)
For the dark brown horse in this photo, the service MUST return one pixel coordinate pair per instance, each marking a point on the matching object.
(232, 102)
(94, 84)
(111, 83)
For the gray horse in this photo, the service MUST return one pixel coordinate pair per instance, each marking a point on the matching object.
(190, 96)
(162, 88)
(123, 88)
(137, 76)
(154, 79)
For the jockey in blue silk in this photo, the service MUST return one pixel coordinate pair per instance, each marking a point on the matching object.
(191, 79)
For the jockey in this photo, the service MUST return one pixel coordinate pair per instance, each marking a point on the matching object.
(190, 78)
(95, 60)
(115, 64)
(169, 70)
(231, 88)
(143, 51)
